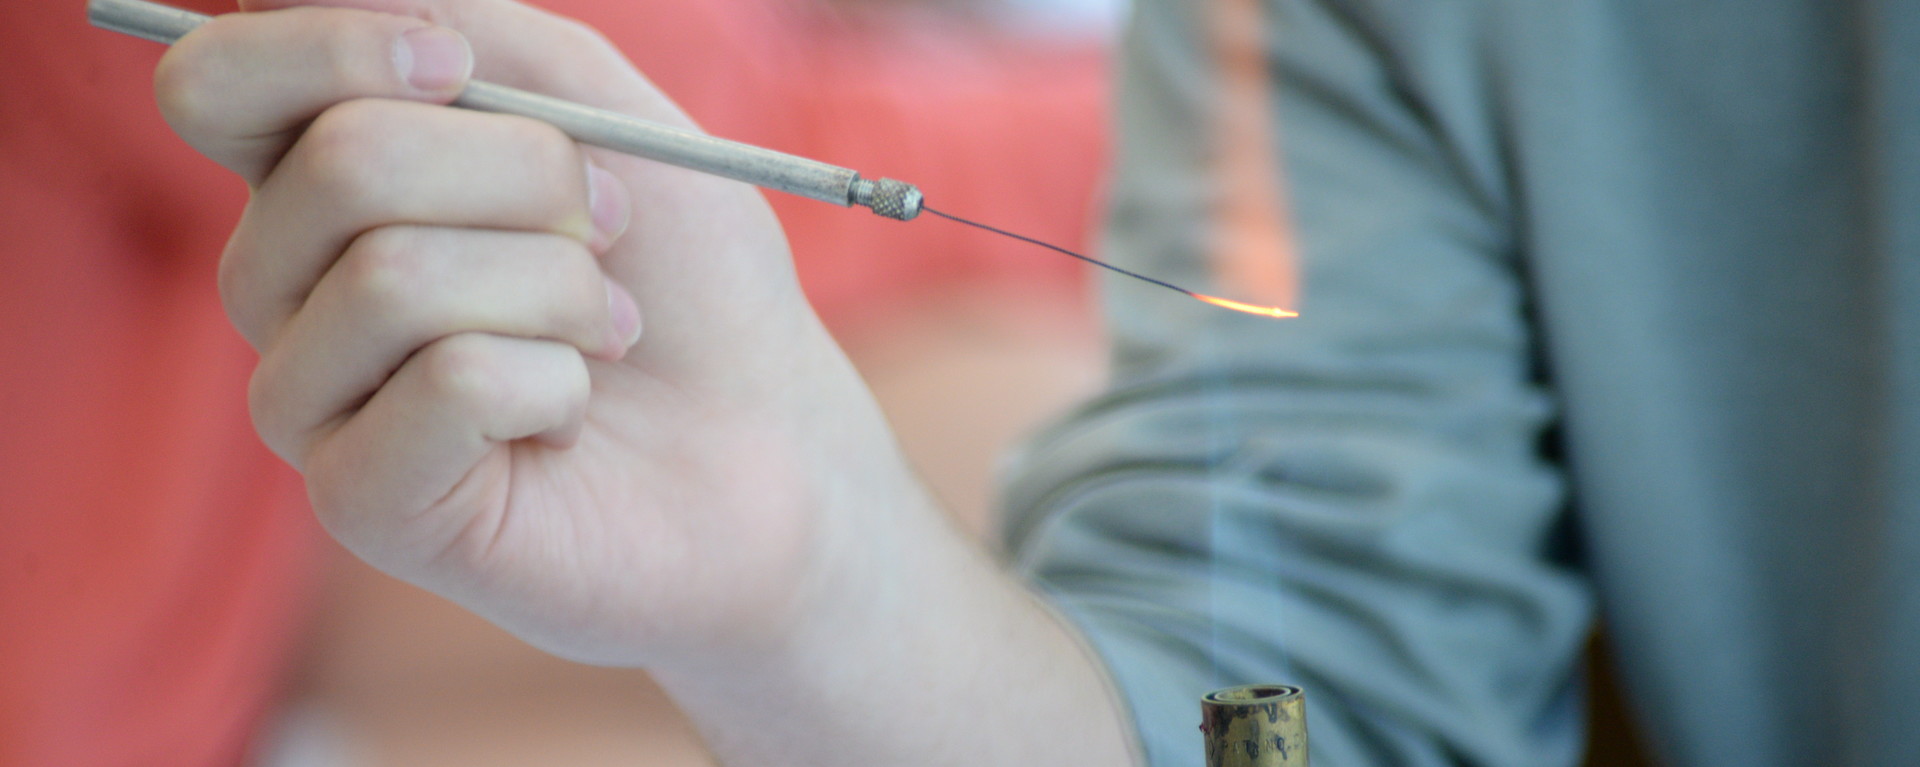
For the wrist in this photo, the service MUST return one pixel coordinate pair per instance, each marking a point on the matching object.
(918, 667)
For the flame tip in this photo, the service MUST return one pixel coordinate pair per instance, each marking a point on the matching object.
(1265, 311)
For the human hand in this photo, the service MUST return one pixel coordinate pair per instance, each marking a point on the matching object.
(444, 301)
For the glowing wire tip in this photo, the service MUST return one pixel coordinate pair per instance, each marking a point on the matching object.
(1265, 311)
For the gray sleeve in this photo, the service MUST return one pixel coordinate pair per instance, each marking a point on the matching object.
(1353, 501)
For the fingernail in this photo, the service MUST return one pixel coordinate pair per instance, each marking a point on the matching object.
(608, 204)
(626, 315)
(433, 58)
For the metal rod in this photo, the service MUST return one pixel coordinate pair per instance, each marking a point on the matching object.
(599, 127)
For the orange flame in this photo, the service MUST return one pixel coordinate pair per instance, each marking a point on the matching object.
(1269, 311)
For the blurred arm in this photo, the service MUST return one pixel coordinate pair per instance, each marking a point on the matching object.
(1352, 501)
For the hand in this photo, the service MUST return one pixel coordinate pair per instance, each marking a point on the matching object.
(443, 301)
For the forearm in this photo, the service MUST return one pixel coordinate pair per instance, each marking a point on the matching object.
(947, 661)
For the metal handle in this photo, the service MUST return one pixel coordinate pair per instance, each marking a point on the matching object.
(602, 128)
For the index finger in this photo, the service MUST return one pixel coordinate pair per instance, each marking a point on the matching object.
(241, 86)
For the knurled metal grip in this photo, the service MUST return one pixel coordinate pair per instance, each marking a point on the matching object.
(893, 199)
(1261, 725)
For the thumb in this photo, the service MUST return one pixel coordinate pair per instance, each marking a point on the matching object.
(525, 47)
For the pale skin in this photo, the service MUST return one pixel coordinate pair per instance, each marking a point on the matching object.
(447, 309)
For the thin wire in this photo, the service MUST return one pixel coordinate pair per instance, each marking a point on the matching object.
(1049, 246)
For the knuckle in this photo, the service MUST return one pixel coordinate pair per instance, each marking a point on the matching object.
(345, 153)
(558, 161)
(463, 371)
(265, 405)
(237, 279)
(513, 387)
(182, 91)
(383, 271)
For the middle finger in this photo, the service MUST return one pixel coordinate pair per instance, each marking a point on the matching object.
(370, 163)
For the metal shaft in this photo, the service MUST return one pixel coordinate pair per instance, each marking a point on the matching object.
(599, 127)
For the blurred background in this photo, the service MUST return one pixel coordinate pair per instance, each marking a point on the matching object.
(165, 596)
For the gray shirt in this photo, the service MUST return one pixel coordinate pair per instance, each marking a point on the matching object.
(1610, 307)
